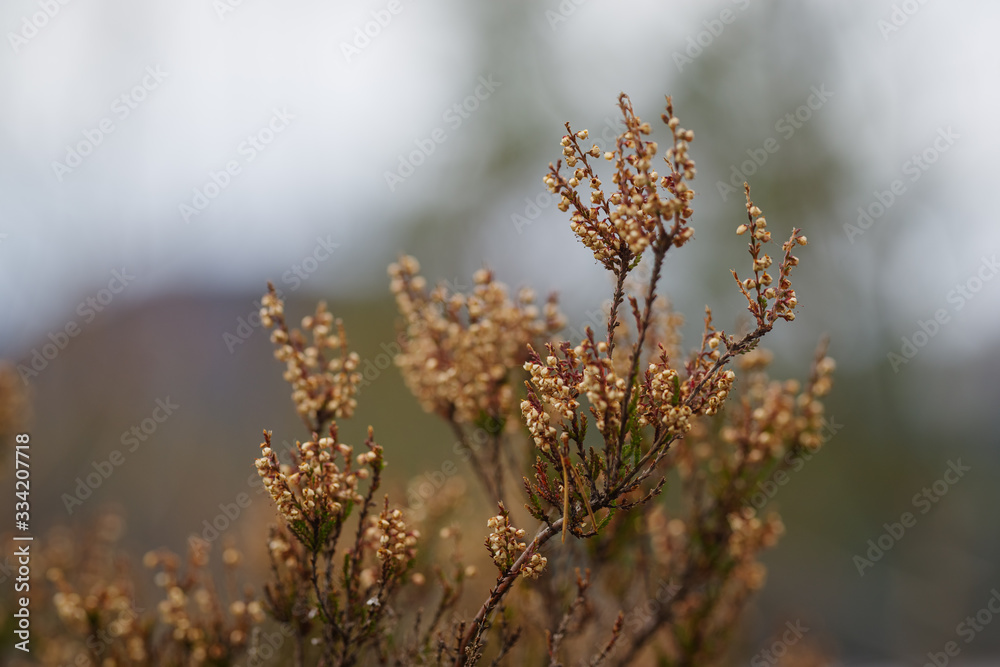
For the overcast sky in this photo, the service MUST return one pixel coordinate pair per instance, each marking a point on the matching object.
(308, 117)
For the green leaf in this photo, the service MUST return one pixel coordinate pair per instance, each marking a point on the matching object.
(635, 439)
(535, 509)
(324, 532)
(633, 448)
(626, 455)
(635, 262)
(302, 531)
(346, 569)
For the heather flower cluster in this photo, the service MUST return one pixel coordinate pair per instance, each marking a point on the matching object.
(758, 290)
(621, 226)
(459, 355)
(192, 611)
(505, 546)
(396, 542)
(552, 394)
(345, 593)
(314, 489)
(104, 620)
(322, 372)
(669, 394)
(459, 348)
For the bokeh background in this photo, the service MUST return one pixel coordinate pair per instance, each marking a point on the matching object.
(316, 102)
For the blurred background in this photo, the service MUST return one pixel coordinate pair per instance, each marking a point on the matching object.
(160, 161)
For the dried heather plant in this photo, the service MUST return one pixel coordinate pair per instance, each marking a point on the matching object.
(458, 352)
(100, 618)
(641, 398)
(317, 493)
(655, 413)
(708, 548)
